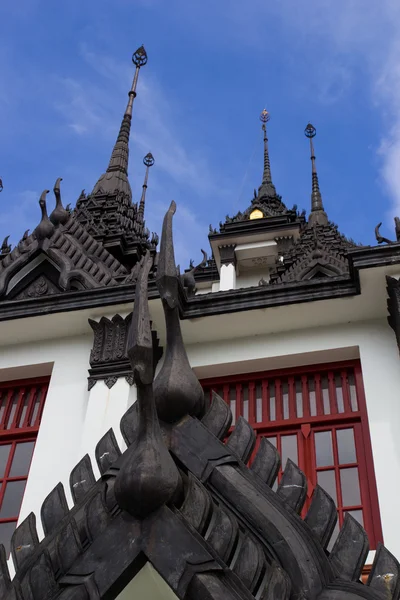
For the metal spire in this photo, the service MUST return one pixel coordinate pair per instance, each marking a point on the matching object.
(267, 188)
(317, 215)
(149, 162)
(116, 176)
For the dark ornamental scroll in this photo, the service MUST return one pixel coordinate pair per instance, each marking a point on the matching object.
(108, 357)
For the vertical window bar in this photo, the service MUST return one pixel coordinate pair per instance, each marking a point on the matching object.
(318, 394)
(7, 410)
(292, 398)
(345, 392)
(239, 401)
(306, 397)
(337, 477)
(332, 393)
(265, 418)
(278, 400)
(252, 402)
(18, 408)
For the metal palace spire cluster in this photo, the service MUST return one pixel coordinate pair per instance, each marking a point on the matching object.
(108, 212)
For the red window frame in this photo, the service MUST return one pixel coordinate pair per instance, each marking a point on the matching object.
(21, 408)
(334, 392)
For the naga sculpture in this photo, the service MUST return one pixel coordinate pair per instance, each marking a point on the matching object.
(188, 280)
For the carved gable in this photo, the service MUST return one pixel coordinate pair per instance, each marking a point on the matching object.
(41, 286)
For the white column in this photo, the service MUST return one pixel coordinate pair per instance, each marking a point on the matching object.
(227, 277)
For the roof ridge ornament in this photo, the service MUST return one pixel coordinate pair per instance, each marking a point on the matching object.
(317, 215)
(148, 161)
(45, 228)
(148, 476)
(266, 188)
(60, 215)
(177, 390)
(107, 184)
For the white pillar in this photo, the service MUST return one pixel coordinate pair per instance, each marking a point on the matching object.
(227, 277)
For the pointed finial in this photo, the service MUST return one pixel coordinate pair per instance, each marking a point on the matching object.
(139, 59)
(45, 228)
(267, 188)
(59, 216)
(149, 162)
(177, 390)
(118, 165)
(1, 184)
(318, 215)
(148, 476)
(5, 247)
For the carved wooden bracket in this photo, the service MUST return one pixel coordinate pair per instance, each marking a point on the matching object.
(108, 357)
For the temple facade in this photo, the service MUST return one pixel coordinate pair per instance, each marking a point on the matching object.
(287, 324)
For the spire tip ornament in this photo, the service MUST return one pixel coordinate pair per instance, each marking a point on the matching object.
(139, 57)
(265, 116)
(310, 131)
(148, 160)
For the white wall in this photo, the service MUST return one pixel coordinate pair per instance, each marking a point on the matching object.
(380, 362)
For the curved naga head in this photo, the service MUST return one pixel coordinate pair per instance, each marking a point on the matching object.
(177, 390)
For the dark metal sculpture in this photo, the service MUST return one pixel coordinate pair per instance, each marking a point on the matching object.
(148, 477)
(188, 279)
(45, 229)
(317, 215)
(176, 388)
(60, 215)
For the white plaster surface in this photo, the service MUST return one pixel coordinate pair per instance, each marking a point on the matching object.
(227, 277)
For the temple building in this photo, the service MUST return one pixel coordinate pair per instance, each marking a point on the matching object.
(227, 432)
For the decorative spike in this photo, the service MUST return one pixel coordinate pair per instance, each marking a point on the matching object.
(25, 236)
(223, 534)
(41, 578)
(59, 216)
(250, 563)
(116, 176)
(81, 479)
(384, 575)
(321, 516)
(96, 516)
(267, 188)
(350, 550)
(293, 486)
(24, 541)
(54, 509)
(242, 440)
(5, 247)
(267, 462)
(107, 451)
(197, 506)
(218, 417)
(149, 162)
(5, 580)
(130, 423)
(177, 391)
(276, 583)
(45, 228)
(68, 546)
(318, 215)
(148, 477)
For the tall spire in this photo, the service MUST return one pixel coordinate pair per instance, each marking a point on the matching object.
(149, 162)
(267, 188)
(115, 179)
(317, 215)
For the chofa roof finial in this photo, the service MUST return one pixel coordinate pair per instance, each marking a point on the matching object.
(317, 215)
(45, 228)
(177, 390)
(59, 216)
(148, 476)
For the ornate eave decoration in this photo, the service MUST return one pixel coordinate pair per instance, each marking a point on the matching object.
(109, 355)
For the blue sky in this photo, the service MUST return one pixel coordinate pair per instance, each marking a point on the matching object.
(65, 70)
